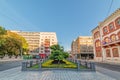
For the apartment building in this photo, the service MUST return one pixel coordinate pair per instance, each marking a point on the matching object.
(106, 39)
(39, 42)
(82, 47)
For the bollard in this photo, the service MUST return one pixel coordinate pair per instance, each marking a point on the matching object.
(31, 63)
(86, 64)
(78, 65)
(24, 66)
(90, 65)
(40, 65)
(93, 66)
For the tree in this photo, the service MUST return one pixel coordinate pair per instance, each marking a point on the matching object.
(12, 46)
(11, 43)
(57, 47)
(58, 54)
(2, 30)
(24, 44)
(2, 41)
(65, 55)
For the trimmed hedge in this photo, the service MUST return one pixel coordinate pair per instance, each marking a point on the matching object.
(68, 64)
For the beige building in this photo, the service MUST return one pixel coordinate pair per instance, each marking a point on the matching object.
(82, 47)
(106, 39)
(39, 42)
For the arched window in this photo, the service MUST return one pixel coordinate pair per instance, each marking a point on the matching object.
(113, 37)
(97, 34)
(106, 39)
(115, 52)
(117, 22)
(111, 26)
(118, 35)
(108, 53)
(105, 30)
(97, 43)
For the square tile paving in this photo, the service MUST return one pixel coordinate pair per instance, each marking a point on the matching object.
(17, 74)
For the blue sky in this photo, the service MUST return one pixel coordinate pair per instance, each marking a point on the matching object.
(68, 18)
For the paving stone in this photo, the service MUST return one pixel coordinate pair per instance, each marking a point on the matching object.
(17, 74)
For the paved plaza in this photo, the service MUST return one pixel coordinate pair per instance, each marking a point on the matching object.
(17, 74)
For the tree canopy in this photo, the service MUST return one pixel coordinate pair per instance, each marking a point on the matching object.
(58, 53)
(11, 43)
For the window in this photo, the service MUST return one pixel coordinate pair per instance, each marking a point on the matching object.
(106, 40)
(97, 43)
(113, 37)
(41, 48)
(118, 35)
(117, 22)
(115, 52)
(96, 35)
(111, 26)
(98, 54)
(108, 53)
(105, 30)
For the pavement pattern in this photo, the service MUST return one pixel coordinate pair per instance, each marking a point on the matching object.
(17, 74)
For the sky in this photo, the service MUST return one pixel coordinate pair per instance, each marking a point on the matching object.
(68, 18)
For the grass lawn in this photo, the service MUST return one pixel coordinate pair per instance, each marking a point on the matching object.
(35, 66)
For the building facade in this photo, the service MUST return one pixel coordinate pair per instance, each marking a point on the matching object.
(82, 47)
(106, 38)
(39, 42)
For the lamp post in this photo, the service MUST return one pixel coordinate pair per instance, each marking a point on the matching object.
(21, 52)
(86, 50)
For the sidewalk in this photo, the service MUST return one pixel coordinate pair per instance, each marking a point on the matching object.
(113, 74)
(108, 62)
(10, 59)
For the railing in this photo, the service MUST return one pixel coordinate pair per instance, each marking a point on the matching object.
(88, 66)
(110, 43)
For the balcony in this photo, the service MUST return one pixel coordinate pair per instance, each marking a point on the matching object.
(46, 46)
(116, 42)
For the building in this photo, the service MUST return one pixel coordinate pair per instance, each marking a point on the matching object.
(73, 48)
(106, 39)
(47, 39)
(39, 42)
(82, 47)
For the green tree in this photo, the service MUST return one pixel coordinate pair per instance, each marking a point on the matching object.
(58, 54)
(24, 44)
(12, 47)
(2, 41)
(11, 43)
(57, 47)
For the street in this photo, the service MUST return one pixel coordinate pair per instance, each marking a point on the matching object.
(9, 64)
(112, 67)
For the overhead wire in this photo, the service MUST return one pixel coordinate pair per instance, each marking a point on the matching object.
(110, 7)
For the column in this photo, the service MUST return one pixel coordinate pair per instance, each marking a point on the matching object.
(103, 54)
(119, 51)
(111, 53)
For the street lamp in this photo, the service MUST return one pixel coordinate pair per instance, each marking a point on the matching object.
(21, 52)
(86, 50)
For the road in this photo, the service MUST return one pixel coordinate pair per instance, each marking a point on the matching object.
(9, 65)
(113, 67)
